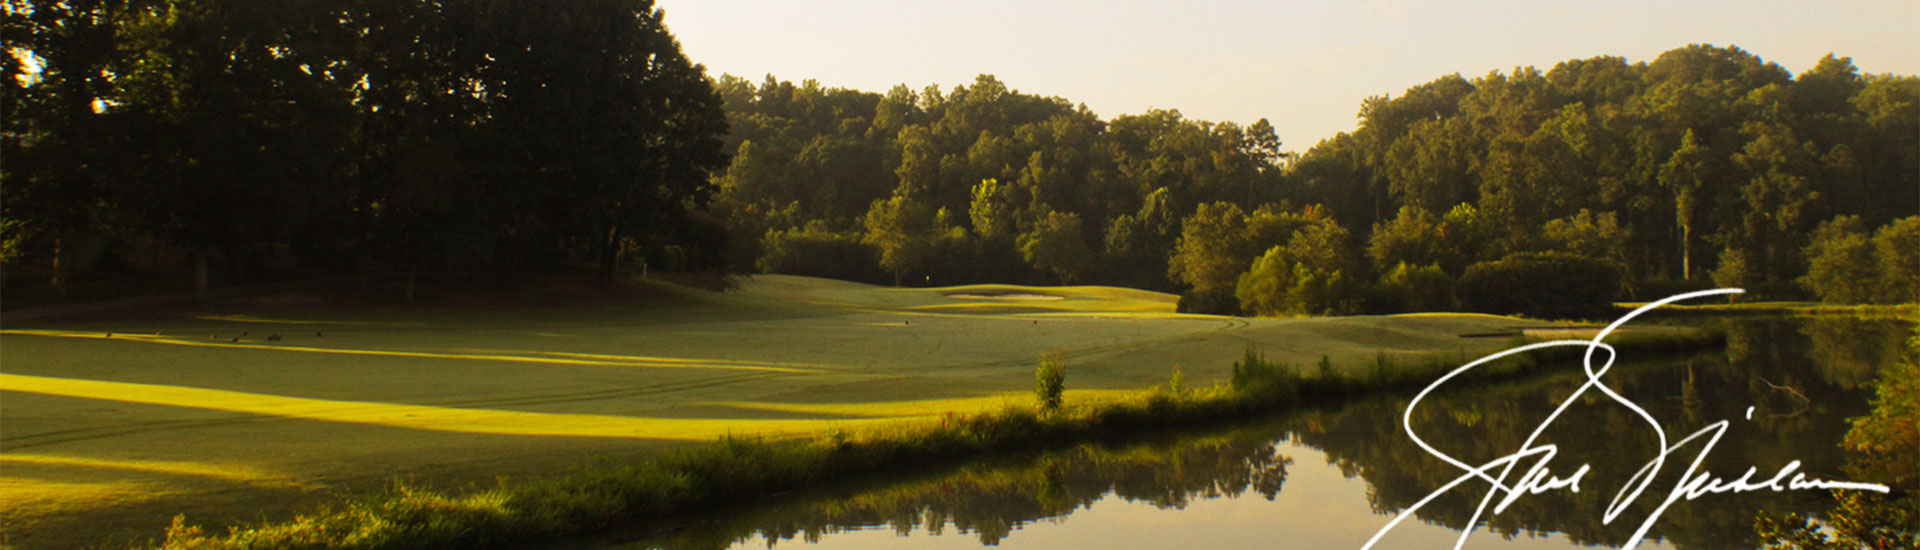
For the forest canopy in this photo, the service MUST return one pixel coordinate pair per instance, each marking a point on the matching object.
(187, 139)
(1705, 166)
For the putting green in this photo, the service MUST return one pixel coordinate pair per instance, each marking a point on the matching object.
(111, 427)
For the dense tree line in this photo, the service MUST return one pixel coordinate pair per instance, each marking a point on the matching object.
(974, 183)
(160, 138)
(1705, 166)
(213, 138)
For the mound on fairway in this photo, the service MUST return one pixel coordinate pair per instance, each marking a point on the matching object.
(112, 427)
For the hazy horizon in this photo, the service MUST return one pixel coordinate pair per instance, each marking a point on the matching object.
(1305, 67)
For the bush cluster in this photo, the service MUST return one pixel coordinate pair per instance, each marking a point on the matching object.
(1546, 285)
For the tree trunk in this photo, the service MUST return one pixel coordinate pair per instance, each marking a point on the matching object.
(366, 271)
(1771, 248)
(1686, 253)
(609, 254)
(200, 274)
(237, 264)
(54, 280)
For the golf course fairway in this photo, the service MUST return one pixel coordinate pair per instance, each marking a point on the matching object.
(109, 428)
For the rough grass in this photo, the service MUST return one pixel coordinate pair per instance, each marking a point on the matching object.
(1907, 311)
(120, 430)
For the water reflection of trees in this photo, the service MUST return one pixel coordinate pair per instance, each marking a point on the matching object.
(1846, 351)
(991, 500)
(1804, 380)
(1849, 350)
(1885, 448)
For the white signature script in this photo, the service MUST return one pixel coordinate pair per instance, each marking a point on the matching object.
(1539, 479)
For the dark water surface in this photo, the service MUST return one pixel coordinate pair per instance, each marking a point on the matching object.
(1332, 479)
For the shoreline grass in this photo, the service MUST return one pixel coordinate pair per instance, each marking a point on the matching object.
(703, 477)
(1799, 309)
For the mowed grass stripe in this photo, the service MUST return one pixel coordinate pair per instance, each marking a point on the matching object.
(36, 439)
(1228, 325)
(423, 417)
(237, 473)
(552, 359)
(898, 409)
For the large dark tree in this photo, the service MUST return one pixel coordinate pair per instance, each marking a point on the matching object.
(461, 134)
(57, 166)
(605, 128)
(237, 115)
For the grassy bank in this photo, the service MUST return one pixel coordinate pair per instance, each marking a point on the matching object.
(1768, 309)
(737, 469)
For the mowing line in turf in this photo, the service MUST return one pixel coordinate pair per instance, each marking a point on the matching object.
(223, 472)
(422, 417)
(557, 359)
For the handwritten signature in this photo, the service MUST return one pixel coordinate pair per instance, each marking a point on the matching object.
(1538, 478)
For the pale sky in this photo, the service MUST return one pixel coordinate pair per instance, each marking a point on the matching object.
(1303, 65)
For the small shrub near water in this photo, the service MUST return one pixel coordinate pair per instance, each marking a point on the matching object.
(1178, 382)
(1050, 380)
(1253, 371)
(1382, 367)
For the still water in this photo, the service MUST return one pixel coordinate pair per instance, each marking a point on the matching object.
(1334, 478)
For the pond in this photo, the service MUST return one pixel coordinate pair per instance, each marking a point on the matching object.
(1334, 478)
